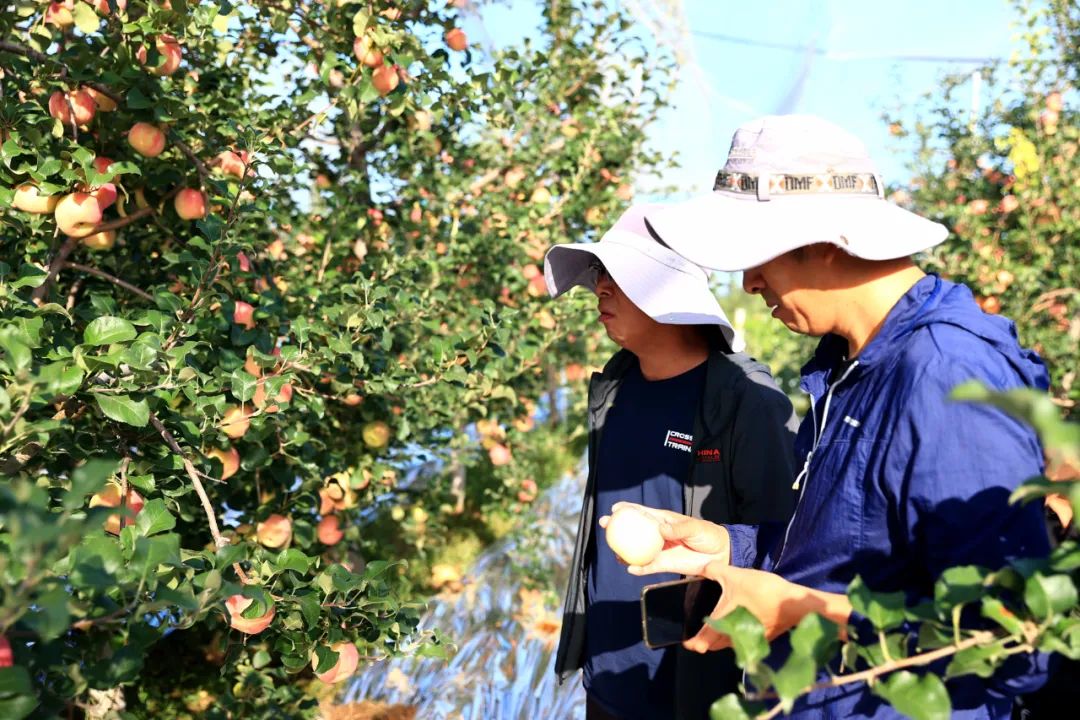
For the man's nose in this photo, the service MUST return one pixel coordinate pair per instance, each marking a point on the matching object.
(604, 286)
(752, 282)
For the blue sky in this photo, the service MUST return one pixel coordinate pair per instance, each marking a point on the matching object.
(847, 77)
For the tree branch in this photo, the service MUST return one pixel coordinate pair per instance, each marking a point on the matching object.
(124, 221)
(32, 54)
(979, 638)
(54, 269)
(114, 280)
(192, 473)
(199, 164)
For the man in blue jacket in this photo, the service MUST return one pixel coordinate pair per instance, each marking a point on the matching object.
(897, 483)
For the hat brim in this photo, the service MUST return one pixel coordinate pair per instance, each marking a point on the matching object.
(660, 291)
(728, 232)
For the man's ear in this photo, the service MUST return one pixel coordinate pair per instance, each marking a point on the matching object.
(828, 254)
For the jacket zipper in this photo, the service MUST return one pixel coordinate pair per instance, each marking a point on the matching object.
(803, 476)
(590, 485)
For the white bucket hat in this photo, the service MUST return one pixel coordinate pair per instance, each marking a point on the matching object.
(666, 287)
(790, 181)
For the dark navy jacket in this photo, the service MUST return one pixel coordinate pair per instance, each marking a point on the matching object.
(741, 473)
(899, 483)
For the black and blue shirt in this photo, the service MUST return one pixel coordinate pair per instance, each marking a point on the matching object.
(644, 457)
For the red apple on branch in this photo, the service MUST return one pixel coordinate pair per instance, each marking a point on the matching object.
(236, 605)
(243, 314)
(169, 50)
(190, 204)
(274, 532)
(348, 659)
(62, 105)
(148, 140)
(110, 497)
(385, 79)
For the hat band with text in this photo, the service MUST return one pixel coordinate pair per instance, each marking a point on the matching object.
(785, 184)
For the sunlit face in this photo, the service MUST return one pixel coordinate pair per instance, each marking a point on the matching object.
(792, 287)
(624, 321)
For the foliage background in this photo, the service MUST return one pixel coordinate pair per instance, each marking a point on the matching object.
(388, 245)
(389, 248)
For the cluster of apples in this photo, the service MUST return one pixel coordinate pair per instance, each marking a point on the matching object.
(493, 439)
(79, 213)
(386, 77)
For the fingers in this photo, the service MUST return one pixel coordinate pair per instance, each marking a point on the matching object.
(660, 516)
(604, 520)
(707, 640)
(686, 528)
(676, 559)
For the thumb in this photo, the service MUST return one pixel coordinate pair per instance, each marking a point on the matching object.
(679, 530)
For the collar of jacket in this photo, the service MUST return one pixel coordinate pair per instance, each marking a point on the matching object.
(718, 378)
(900, 322)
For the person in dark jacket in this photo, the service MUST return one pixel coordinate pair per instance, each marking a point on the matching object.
(897, 482)
(676, 420)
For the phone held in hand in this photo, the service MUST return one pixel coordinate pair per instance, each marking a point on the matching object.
(675, 611)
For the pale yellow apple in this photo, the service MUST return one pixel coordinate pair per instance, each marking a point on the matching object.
(376, 434)
(235, 422)
(100, 241)
(78, 214)
(28, 200)
(634, 536)
(229, 459)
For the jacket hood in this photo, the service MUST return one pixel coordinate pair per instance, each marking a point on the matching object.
(933, 301)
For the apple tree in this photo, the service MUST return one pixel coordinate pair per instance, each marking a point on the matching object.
(259, 261)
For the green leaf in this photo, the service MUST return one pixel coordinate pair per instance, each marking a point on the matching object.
(136, 100)
(920, 698)
(123, 409)
(995, 610)
(293, 559)
(86, 19)
(88, 478)
(974, 661)
(150, 552)
(17, 699)
(154, 518)
(960, 585)
(60, 378)
(243, 385)
(261, 658)
(95, 562)
(732, 707)
(815, 637)
(49, 618)
(326, 658)
(884, 610)
(311, 609)
(108, 329)
(1047, 595)
(793, 678)
(747, 637)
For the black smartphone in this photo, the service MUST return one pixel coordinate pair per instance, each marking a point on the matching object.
(675, 611)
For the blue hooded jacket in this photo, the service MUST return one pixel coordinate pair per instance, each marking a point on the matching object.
(899, 483)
